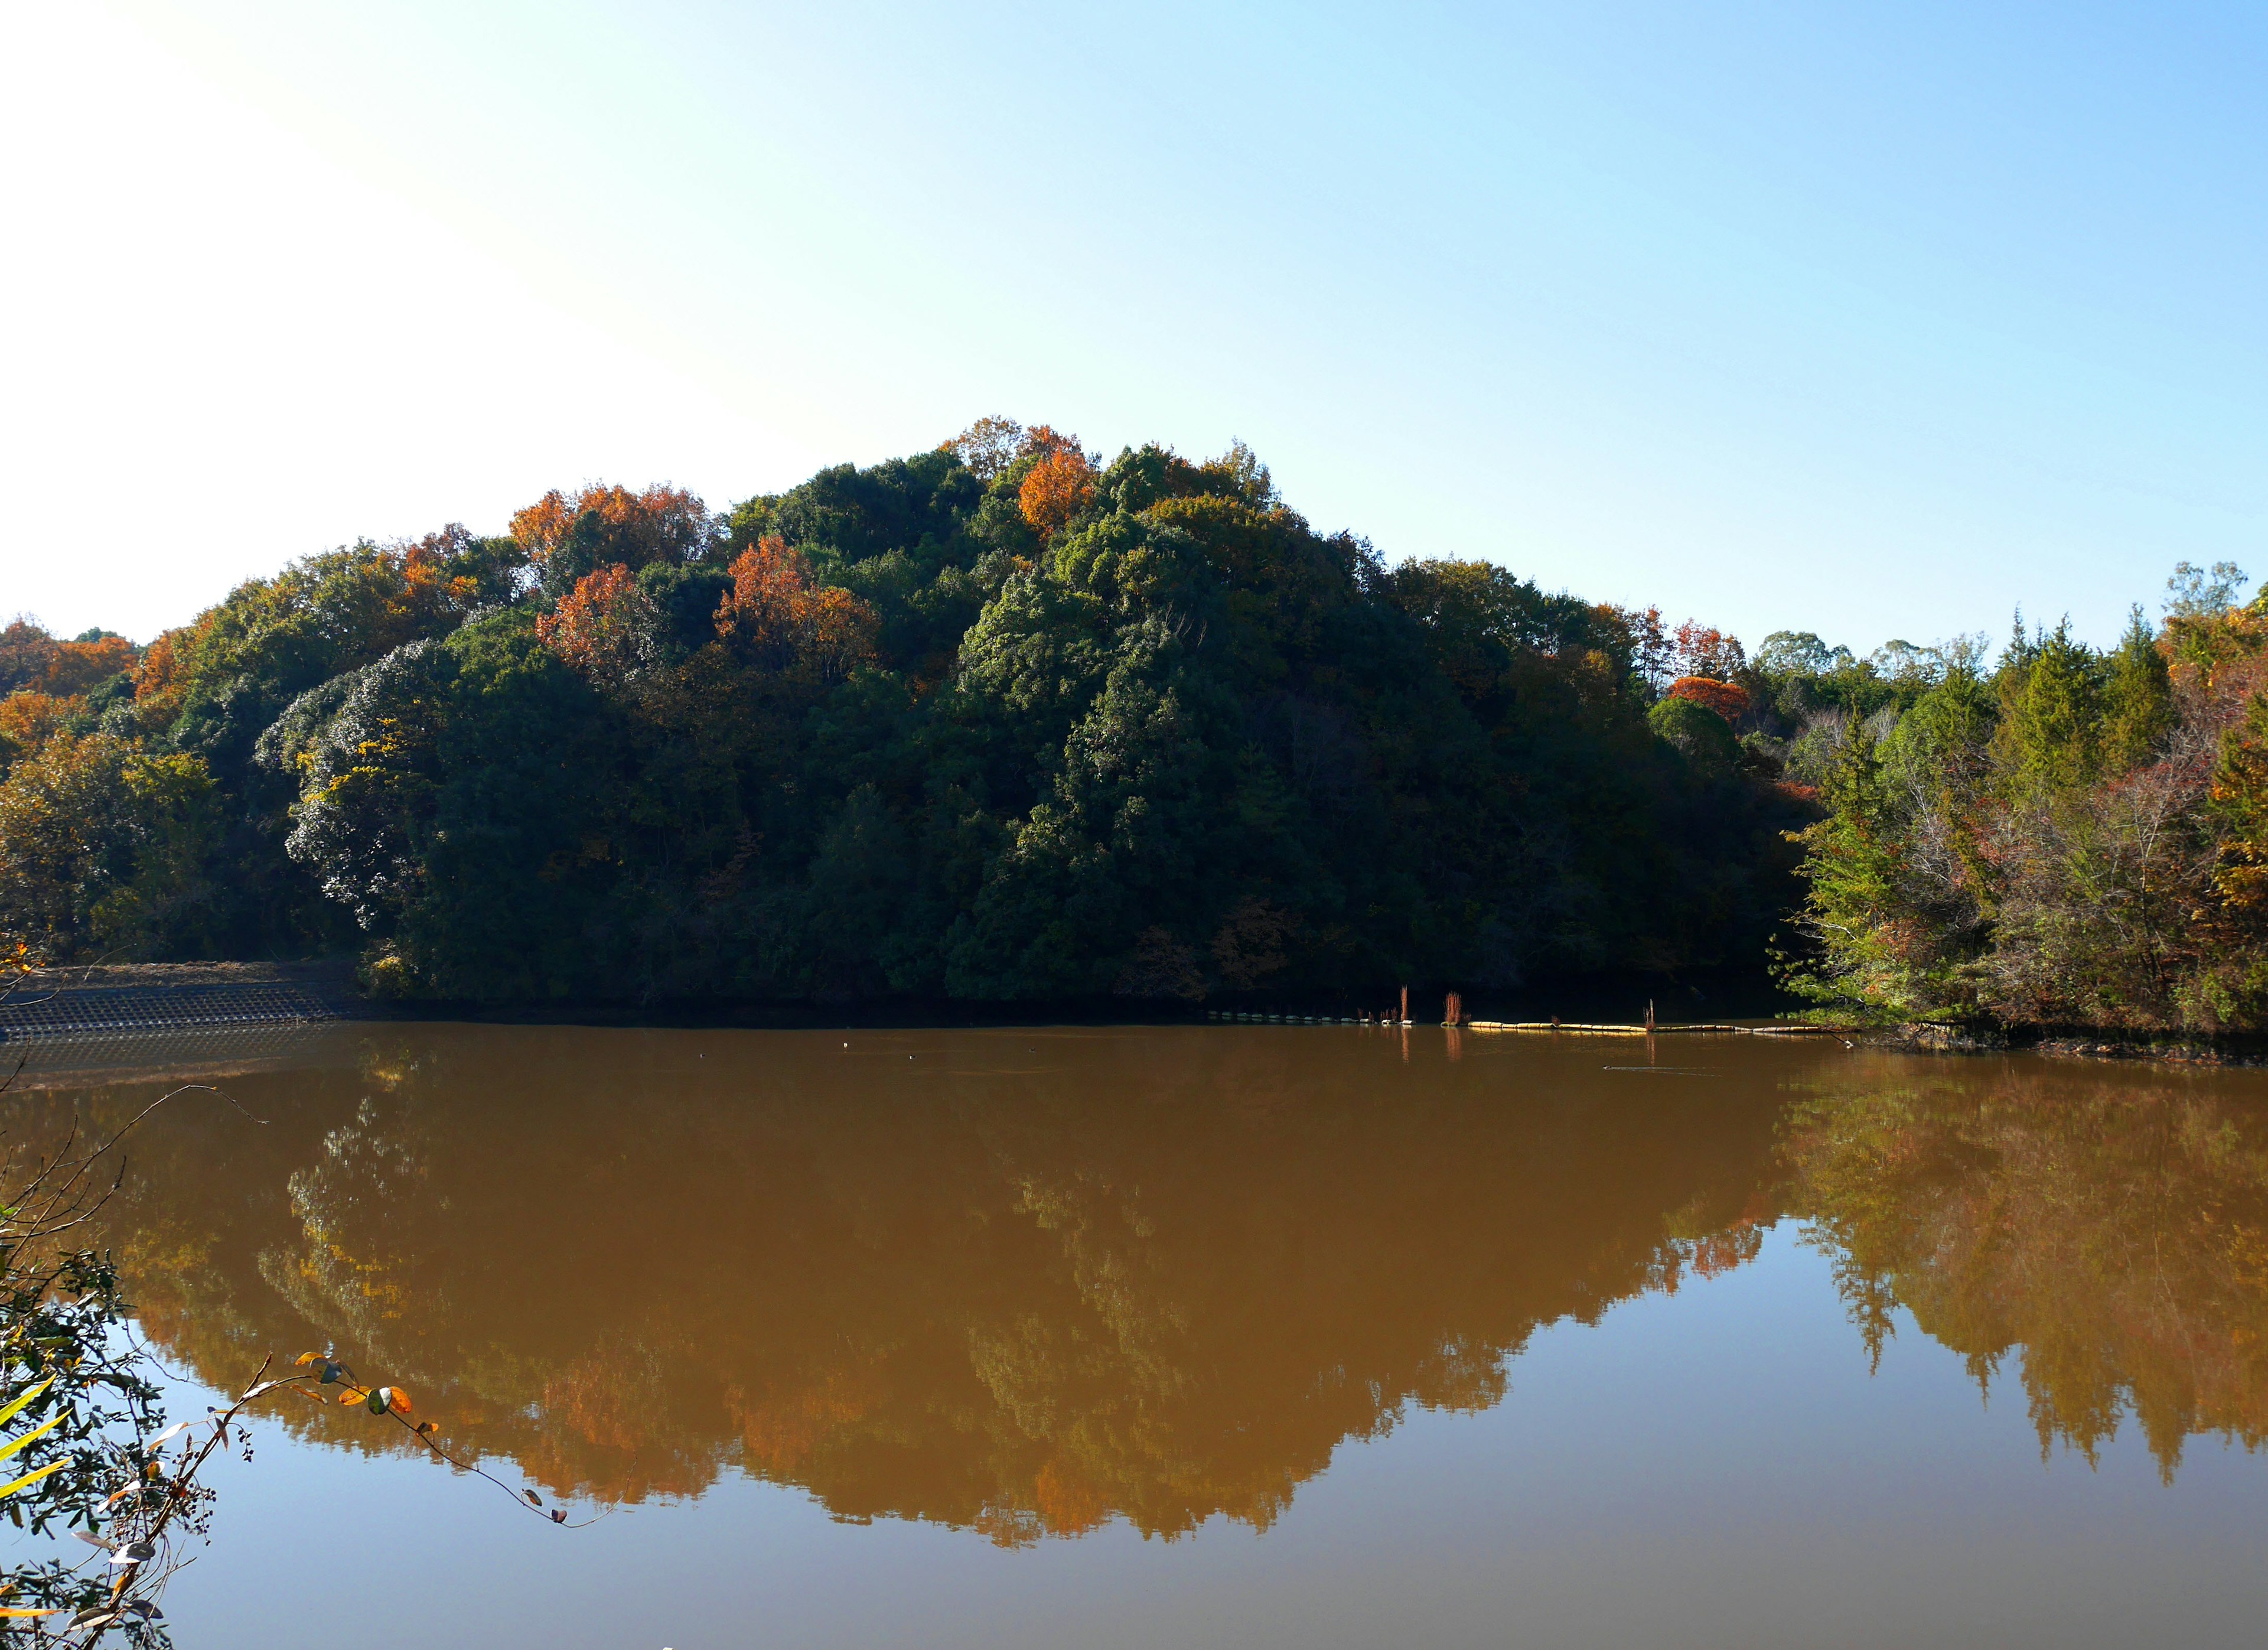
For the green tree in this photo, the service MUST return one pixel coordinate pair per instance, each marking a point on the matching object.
(2137, 699)
(2052, 722)
(1699, 734)
(103, 851)
(1868, 950)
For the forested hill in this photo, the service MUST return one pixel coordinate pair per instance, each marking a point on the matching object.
(995, 722)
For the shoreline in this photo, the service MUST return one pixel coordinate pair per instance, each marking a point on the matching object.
(2234, 1051)
(114, 999)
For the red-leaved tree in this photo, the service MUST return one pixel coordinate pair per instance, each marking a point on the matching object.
(775, 617)
(661, 524)
(1701, 650)
(1728, 699)
(602, 626)
(1058, 489)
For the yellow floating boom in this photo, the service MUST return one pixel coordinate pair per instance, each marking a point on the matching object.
(1547, 1027)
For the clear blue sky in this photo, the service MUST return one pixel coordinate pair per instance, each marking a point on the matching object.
(1872, 321)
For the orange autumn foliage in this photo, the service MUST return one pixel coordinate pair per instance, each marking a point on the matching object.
(783, 1433)
(75, 667)
(990, 446)
(614, 1402)
(25, 649)
(162, 678)
(1728, 699)
(426, 586)
(1045, 438)
(1068, 1504)
(1702, 650)
(28, 719)
(1058, 489)
(661, 524)
(774, 616)
(599, 627)
(162, 662)
(1718, 1253)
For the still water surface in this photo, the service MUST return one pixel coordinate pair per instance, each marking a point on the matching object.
(1220, 1335)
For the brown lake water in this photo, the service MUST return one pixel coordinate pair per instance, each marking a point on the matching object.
(1235, 1336)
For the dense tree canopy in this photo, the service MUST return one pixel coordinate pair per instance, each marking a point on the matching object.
(2072, 837)
(1000, 721)
(1004, 722)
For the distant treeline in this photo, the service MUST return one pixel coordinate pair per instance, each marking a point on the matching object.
(1002, 722)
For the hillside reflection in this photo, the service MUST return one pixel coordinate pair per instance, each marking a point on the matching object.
(1024, 1282)
(2108, 1227)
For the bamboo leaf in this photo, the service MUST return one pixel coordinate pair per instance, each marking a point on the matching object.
(16, 1407)
(47, 1426)
(10, 1487)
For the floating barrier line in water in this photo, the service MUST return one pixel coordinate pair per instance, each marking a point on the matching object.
(1547, 1028)
(1544, 1026)
(1600, 1031)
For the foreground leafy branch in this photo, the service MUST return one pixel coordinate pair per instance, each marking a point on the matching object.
(91, 1455)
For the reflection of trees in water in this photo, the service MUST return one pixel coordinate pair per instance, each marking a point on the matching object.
(1159, 1277)
(2112, 1230)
